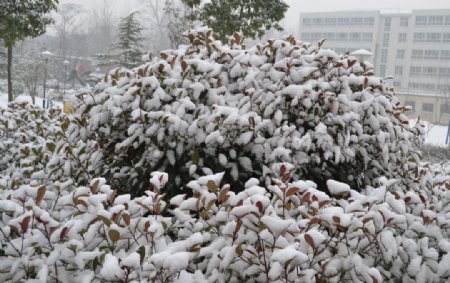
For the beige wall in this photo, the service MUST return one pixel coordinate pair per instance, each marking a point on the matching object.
(434, 116)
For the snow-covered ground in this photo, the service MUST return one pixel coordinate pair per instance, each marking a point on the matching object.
(4, 100)
(435, 133)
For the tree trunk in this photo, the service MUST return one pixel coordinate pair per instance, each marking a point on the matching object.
(9, 67)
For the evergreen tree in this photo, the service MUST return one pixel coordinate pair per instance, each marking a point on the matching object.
(129, 46)
(252, 18)
(21, 19)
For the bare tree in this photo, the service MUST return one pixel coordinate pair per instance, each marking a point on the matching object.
(155, 19)
(177, 21)
(68, 21)
(103, 24)
(167, 20)
(29, 72)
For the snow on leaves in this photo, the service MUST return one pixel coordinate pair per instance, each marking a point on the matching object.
(264, 117)
(208, 107)
(259, 234)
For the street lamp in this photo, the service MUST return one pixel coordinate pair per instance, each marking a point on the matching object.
(46, 54)
(66, 63)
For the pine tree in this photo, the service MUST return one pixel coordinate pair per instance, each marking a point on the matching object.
(129, 46)
(252, 18)
(21, 19)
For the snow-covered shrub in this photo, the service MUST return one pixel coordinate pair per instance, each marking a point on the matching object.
(24, 129)
(208, 107)
(285, 232)
(35, 146)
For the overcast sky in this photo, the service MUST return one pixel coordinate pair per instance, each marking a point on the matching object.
(124, 7)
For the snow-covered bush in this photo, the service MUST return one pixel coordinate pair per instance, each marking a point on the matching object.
(36, 146)
(24, 131)
(285, 232)
(208, 107)
(270, 118)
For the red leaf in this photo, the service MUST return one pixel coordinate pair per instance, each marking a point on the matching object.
(310, 241)
(422, 198)
(63, 233)
(336, 219)
(24, 224)
(292, 191)
(259, 205)
(126, 218)
(223, 194)
(282, 170)
(40, 194)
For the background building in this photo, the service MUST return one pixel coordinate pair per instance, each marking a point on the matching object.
(411, 46)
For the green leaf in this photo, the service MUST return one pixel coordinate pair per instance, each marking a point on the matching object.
(239, 250)
(104, 220)
(51, 146)
(195, 157)
(114, 235)
(141, 252)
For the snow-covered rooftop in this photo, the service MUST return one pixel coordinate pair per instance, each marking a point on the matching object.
(362, 52)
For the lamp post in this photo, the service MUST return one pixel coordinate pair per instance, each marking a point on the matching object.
(65, 63)
(46, 54)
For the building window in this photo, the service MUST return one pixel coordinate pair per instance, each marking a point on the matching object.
(415, 71)
(369, 21)
(387, 24)
(445, 55)
(305, 36)
(382, 70)
(445, 108)
(433, 37)
(427, 107)
(317, 21)
(329, 36)
(386, 40)
(411, 104)
(404, 21)
(431, 54)
(399, 70)
(397, 84)
(315, 36)
(444, 72)
(446, 37)
(357, 21)
(384, 54)
(343, 21)
(341, 36)
(435, 20)
(306, 22)
(429, 71)
(421, 20)
(417, 54)
(330, 21)
(402, 37)
(367, 36)
(400, 54)
(355, 36)
(419, 37)
(447, 20)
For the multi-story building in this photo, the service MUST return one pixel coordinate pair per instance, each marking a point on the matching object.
(411, 46)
